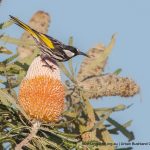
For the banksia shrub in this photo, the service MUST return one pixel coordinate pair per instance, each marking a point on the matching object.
(30, 118)
(41, 92)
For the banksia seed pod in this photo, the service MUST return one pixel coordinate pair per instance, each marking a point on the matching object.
(41, 92)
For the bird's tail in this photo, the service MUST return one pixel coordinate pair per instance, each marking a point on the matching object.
(24, 26)
(38, 36)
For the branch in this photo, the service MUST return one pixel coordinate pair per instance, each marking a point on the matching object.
(32, 134)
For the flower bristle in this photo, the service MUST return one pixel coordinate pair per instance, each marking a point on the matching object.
(42, 98)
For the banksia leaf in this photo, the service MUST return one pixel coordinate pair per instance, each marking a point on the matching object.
(8, 100)
(70, 61)
(122, 129)
(40, 22)
(6, 24)
(8, 60)
(4, 50)
(95, 64)
(92, 133)
(17, 42)
(102, 111)
(118, 71)
(41, 92)
(109, 85)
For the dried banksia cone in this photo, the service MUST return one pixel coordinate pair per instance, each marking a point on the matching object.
(97, 68)
(41, 93)
(40, 22)
(95, 64)
(109, 85)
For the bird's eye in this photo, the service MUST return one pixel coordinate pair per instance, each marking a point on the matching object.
(68, 53)
(78, 50)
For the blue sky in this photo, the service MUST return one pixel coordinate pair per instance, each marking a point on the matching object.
(94, 21)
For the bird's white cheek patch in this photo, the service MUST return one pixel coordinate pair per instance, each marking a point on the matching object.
(68, 53)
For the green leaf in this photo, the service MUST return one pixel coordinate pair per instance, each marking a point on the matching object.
(101, 111)
(70, 61)
(6, 24)
(1, 81)
(7, 139)
(59, 134)
(118, 71)
(70, 41)
(8, 60)
(126, 125)
(3, 99)
(70, 114)
(31, 147)
(28, 60)
(50, 143)
(8, 100)
(66, 72)
(17, 42)
(103, 118)
(4, 50)
(122, 129)
(126, 148)
(71, 68)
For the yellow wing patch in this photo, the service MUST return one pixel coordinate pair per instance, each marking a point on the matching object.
(47, 41)
(36, 35)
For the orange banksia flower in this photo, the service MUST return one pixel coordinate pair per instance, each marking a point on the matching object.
(41, 93)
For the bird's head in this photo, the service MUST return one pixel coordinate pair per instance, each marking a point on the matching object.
(71, 51)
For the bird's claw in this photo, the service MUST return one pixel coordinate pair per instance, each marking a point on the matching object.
(50, 66)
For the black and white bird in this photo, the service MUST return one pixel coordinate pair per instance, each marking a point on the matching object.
(51, 48)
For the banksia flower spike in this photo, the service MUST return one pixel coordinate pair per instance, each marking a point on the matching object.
(41, 93)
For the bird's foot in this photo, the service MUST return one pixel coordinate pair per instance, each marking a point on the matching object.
(50, 66)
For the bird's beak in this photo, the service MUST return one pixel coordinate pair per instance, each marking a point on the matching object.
(81, 53)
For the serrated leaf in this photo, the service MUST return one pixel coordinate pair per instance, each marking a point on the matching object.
(4, 50)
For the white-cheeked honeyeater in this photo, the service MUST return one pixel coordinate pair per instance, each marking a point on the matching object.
(51, 48)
